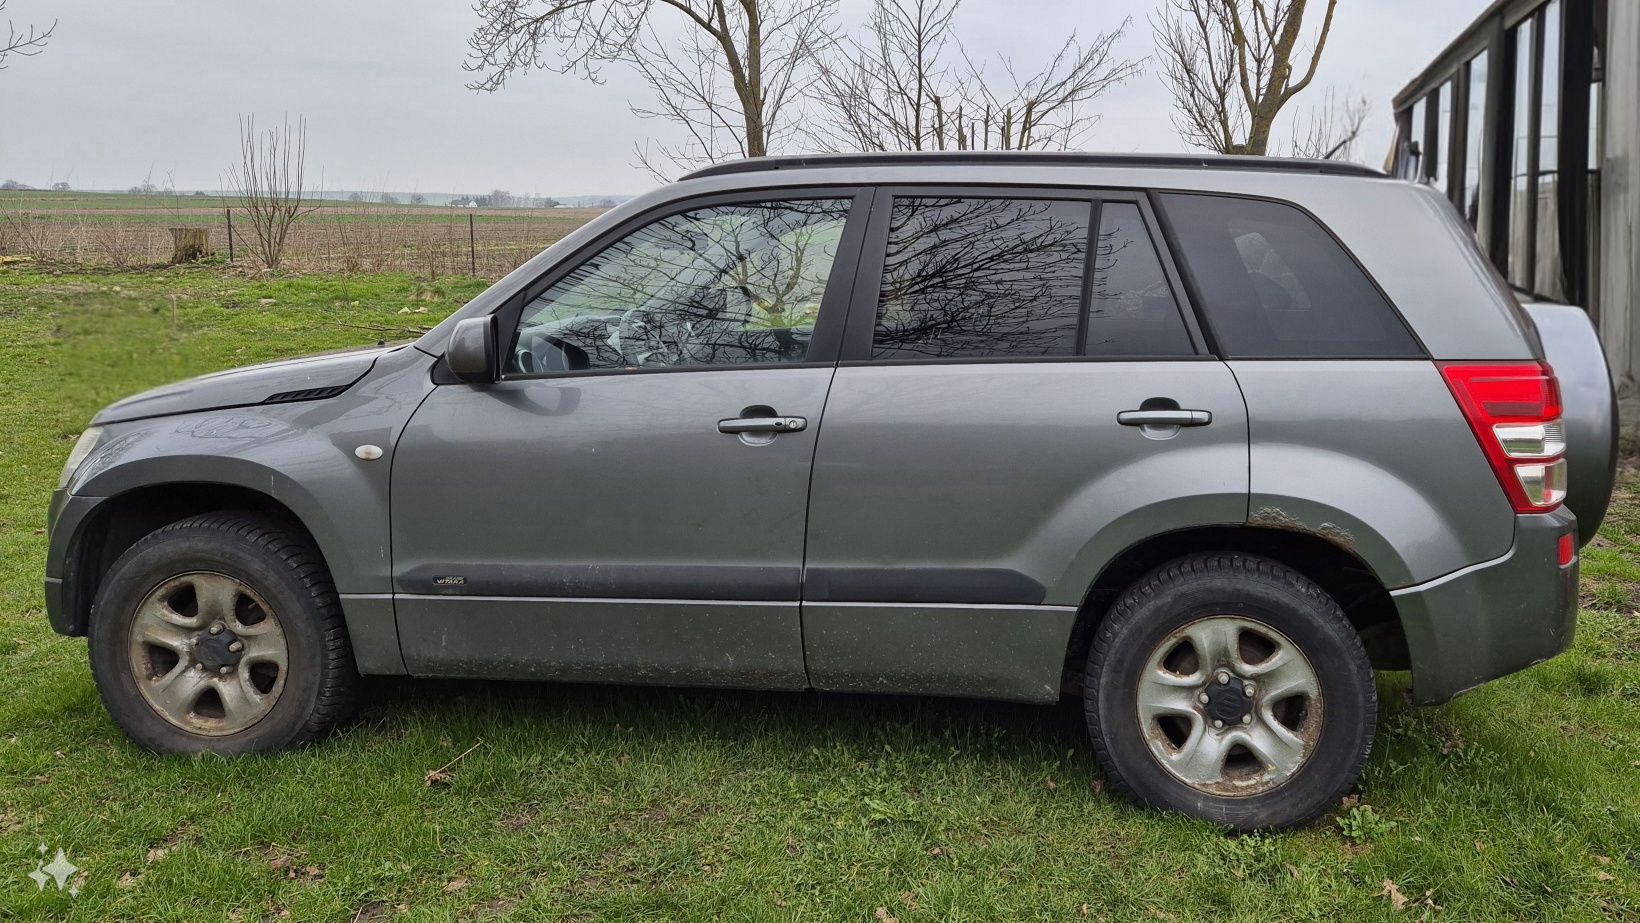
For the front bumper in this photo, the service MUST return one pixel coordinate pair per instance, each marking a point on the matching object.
(1493, 618)
(68, 513)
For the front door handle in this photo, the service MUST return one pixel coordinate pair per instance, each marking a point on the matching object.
(1165, 417)
(762, 425)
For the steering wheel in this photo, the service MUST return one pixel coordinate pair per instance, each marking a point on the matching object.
(642, 339)
(539, 352)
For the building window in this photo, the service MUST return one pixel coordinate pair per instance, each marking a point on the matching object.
(1474, 147)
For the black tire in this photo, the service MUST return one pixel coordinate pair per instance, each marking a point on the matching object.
(319, 688)
(1245, 587)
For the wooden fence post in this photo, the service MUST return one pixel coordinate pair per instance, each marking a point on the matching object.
(229, 213)
(472, 247)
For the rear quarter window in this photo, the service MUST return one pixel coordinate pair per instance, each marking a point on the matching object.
(1273, 283)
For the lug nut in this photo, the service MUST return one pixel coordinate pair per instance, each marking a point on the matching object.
(1203, 698)
(1217, 723)
(225, 670)
(216, 628)
(1247, 719)
(238, 646)
(1224, 678)
(199, 668)
(1247, 688)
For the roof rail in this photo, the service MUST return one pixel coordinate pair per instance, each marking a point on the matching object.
(1035, 158)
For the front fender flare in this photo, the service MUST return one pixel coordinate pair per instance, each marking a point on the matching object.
(339, 498)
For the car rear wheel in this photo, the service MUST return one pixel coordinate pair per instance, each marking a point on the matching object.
(222, 633)
(1231, 688)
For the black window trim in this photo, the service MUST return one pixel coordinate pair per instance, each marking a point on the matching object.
(862, 319)
(1192, 284)
(824, 345)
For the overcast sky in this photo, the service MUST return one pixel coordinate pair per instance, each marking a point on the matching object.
(132, 90)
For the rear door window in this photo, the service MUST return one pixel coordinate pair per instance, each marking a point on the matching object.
(982, 277)
(1274, 284)
(1131, 308)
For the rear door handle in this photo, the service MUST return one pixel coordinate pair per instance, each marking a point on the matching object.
(1164, 417)
(763, 425)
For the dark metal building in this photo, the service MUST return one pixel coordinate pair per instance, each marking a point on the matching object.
(1530, 122)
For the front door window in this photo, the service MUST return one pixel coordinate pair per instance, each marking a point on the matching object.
(719, 286)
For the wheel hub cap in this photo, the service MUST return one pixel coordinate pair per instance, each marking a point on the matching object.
(1227, 702)
(214, 652)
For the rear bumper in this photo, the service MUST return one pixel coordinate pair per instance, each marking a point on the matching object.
(1493, 618)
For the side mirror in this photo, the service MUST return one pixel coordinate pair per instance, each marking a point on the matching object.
(471, 350)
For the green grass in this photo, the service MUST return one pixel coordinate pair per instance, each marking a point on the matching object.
(1519, 801)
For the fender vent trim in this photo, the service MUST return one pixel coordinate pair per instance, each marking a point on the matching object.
(305, 394)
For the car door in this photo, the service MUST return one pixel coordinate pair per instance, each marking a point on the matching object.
(627, 503)
(1021, 397)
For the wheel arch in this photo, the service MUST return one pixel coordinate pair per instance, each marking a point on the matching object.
(120, 521)
(1349, 580)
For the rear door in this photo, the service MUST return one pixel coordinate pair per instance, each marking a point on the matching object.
(1021, 397)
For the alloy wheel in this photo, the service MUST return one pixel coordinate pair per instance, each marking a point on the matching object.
(1229, 706)
(208, 653)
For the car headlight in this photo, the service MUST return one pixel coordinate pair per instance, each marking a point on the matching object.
(82, 449)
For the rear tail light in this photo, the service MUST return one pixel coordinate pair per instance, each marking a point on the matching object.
(1514, 409)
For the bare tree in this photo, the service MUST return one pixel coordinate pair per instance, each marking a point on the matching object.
(1230, 65)
(1045, 109)
(1330, 131)
(726, 83)
(268, 180)
(893, 88)
(24, 44)
(878, 95)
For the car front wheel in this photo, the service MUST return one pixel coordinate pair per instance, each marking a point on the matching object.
(222, 633)
(1231, 688)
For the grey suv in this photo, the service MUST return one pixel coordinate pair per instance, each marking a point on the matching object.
(1201, 441)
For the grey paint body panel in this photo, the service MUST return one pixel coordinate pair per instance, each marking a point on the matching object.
(995, 652)
(1375, 457)
(1019, 467)
(1493, 618)
(244, 387)
(588, 472)
(373, 629)
(670, 642)
(300, 454)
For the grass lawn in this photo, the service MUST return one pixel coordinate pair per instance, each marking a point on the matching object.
(1520, 801)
